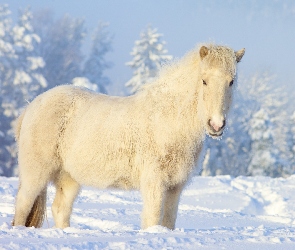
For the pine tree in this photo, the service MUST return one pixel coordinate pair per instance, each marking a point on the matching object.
(148, 55)
(7, 51)
(263, 159)
(96, 63)
(260, 93)
(258, 107)
(25, 81)
(61, 47)
(7, 55)
(291, 144)
(21, 80)
(28, 76)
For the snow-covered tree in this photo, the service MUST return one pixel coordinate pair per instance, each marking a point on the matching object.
(61, 49)
(25, 80)
(261, 93)
(7, 56)
(96, 64)
(259, 107)
(149, 54)
(7, 52)
(21, 79)
(29, 64)
(84, 82)
(291, 143)
(263, 160)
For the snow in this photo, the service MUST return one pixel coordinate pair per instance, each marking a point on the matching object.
(21, 77)
(84, 82)
(40, 79)
(36, 62)
(219, 212)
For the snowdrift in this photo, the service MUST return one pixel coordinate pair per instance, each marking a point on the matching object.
(215, 213)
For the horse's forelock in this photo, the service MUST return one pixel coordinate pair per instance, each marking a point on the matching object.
(221, 57)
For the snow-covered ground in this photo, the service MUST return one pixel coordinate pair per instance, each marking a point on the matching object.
(214, 213)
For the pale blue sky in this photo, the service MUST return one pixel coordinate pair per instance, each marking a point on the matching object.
(266, 28)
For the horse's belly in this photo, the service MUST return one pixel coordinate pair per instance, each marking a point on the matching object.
(102, 177)
(123, 183)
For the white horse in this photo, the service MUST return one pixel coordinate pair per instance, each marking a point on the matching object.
(148, 141)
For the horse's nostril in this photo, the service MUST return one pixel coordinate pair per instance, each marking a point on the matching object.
(209, 123)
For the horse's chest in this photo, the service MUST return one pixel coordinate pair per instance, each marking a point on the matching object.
(176, 165)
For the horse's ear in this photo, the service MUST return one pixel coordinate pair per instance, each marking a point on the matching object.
(239, 54)
(203, 51)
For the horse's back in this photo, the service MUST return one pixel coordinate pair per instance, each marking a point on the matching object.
(47, 109)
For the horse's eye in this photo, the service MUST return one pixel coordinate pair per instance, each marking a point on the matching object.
(231, 83)
(204, 82)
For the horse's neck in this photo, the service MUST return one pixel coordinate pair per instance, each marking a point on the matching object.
(181, 85)
(177, 91)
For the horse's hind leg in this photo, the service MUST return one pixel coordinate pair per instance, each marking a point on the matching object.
(31, 185)
(67, 190)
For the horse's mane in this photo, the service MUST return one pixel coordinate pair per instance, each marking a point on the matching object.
(218, 56)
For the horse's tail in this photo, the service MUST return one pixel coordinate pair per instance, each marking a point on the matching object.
(18, 125)
(38, 211)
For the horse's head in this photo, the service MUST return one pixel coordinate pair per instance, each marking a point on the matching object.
(218, 75)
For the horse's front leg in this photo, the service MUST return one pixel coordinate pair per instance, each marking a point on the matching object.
(171, 206)
(153, 196)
